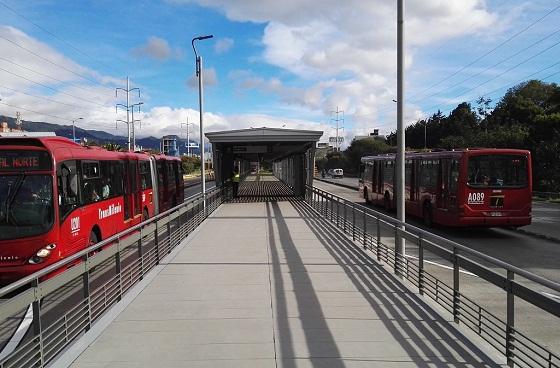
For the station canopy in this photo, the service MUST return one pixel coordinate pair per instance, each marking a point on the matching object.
(269, 144)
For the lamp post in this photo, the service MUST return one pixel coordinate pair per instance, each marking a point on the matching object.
(198, 60)
(400, 243)
(74, 128)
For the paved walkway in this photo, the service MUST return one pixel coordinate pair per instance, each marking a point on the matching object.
(268, 284)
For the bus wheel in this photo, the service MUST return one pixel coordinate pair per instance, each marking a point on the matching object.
(93, 239)
(427, 215)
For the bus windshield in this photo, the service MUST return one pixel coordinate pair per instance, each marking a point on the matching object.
(26, 205)
(498, 171)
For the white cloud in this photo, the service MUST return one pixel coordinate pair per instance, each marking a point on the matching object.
(157, 48)
(223, 45)
(209, 78)
(346, 51)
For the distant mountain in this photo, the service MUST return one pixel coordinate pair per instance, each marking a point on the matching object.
(97, 136)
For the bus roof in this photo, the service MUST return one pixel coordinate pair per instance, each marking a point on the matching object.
(450, 153)
(62, 148)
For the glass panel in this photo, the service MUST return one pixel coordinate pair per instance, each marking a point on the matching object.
(26, 205)
(498, 171)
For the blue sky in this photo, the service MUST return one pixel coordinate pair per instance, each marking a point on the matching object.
(271, 63)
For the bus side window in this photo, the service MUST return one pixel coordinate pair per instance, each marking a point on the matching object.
(92, 188)
(67, 180)
(454, 176)
(145, 176)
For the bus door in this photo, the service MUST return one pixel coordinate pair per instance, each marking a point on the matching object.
(135, 190)
(441, 186)
(452, 184)
(127, 191)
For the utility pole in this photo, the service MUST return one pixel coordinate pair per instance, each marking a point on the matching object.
(188, 139)
(18, 121)
(127, 107)
(400, 245)
(132, 122)
(338, 120)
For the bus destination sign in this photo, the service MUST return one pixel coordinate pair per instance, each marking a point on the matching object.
(24, 160)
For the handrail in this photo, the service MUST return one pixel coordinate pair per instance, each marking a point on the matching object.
(426, 234)
(78, 255)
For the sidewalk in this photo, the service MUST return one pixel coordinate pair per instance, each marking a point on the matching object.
(269, 284)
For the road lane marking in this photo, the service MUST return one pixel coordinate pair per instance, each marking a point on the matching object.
(441, 265)
(19, 334)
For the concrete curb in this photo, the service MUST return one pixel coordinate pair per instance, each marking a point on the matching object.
(338, 184)
(537, 235)
(189, 185)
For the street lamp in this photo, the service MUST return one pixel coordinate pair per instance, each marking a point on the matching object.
(74, 128)
(198, 59)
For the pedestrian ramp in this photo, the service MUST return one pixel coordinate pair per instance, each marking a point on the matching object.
(272, 284)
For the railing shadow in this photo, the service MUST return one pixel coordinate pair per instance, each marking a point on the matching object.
(422, 333)
(311, 317)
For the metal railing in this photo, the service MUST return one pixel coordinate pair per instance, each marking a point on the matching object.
(366, 226)
(65, 306)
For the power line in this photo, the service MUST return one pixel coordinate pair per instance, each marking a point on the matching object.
(52, 62)
(52, 89)
(50, 77)
(490, 51)
(495, 65)
(36, 112)
(56, 37)
(42, 97)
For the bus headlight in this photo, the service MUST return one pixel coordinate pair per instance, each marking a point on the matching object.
(42, 254)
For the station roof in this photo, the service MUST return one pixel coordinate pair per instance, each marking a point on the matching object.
(264, 135)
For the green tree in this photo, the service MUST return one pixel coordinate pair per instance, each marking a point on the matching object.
(190, 164)
(360, 148)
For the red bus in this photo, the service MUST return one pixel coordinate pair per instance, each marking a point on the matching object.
(58, 197)
(470, 187)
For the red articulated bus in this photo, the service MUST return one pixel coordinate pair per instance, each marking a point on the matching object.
(470, 187)
(58, 197)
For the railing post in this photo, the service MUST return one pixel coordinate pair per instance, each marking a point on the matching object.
(365, 229)
(337, 210)
(85, 284)
(510, 331)
(345, 216)
(456, 300)
(420, 265)
(156, 241)
(353, 221)
(141, 255)
(36, 305)
(378, 240)
(169, 245)
(397, 254)
(332, 209)
(118, 268)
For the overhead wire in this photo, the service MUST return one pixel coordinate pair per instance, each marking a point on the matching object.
(51, 88)
(57, 37)
(42, 97)
(51, 77)
(496, 64)
(53, 63)
(36, 112)
(515, 35)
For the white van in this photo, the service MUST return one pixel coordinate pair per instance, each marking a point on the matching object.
(336, 173)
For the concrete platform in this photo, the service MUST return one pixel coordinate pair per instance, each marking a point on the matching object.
(269, 284)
